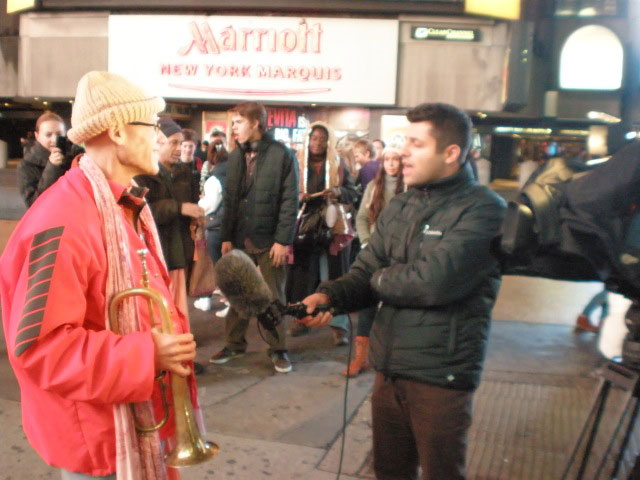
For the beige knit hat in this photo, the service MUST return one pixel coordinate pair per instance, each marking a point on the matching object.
(106, 100)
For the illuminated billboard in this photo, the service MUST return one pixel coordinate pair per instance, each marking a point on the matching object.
(507, 9)
(17, 5)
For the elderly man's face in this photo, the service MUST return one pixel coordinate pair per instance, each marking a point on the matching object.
(140, 148)
(169, 151)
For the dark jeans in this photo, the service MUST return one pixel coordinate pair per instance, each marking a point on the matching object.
(419, 424)
(365, 321)
(214, 244)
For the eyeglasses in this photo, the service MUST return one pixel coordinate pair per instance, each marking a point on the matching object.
(156, 126)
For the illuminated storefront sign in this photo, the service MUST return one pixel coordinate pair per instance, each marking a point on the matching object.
(592, 58)
(446, 34)
(18, 5)
(522, 130)
(319, 60)
(508, 9)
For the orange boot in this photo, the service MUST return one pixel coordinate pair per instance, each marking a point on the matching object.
(359, 361)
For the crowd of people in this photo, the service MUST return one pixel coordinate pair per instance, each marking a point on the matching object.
(400, 234)
(188, 194)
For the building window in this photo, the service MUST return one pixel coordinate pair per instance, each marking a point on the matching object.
(588, 8)
(591, 59)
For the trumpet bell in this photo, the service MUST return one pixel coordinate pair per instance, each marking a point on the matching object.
(192, 453)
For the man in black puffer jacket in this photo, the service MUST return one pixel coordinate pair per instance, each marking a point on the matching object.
(429, 268)
(260, 208)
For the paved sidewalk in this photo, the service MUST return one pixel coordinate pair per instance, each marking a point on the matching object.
(536, 391)
(539, 382)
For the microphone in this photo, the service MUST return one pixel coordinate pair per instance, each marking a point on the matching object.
(239, 280)
(249, 295)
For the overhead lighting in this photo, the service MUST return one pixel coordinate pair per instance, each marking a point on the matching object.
(603, 117)
(597, 161)
(628, 135)
(523, 130)
(70, 101)
(481, 115)
(36, 98)
(6, 104)
(580, 133)
(587, 12)
(45, 103)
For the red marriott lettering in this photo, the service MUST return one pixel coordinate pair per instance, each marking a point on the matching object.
(304, 39)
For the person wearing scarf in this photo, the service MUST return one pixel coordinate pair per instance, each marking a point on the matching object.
(75, 248)
(325, 183)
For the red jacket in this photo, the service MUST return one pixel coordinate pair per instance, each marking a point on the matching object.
(70, 369)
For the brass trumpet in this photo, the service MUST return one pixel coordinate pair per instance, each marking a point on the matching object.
(190, 448)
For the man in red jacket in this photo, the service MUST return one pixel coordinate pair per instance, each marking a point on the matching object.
(74, 249)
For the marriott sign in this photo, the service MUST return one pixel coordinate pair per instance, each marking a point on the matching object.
(310, 60)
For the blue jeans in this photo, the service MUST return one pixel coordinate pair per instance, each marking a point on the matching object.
(599, 300)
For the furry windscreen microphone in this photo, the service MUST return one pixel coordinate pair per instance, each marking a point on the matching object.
(240, 281)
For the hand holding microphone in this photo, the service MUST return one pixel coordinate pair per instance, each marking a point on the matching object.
(318, 314)
(247, 292)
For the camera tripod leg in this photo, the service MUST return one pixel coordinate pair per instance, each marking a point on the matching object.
(627, 380)
(596, 414)
(606, 387)
(627, 437)
(623, 445)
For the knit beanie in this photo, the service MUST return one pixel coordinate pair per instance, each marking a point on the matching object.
(105, 100)
(168, 126)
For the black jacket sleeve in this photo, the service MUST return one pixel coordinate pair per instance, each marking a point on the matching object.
(164, 210)
(286, 226)
(32, 180)
(348, 192)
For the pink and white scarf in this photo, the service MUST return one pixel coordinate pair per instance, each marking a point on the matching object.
(138, 457)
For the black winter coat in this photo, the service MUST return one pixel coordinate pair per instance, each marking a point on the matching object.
(428, 262)
(36, 173)
(168, 190)
(266, 212)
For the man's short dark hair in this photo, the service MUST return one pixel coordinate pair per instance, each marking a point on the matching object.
(451, 126)
(217, 133)
(253, 111)
(189, 135)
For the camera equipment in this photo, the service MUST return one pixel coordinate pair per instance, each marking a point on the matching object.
(62, 143)
(579, 220)
(248, 293)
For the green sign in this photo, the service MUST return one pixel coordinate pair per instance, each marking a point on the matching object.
(445, 34)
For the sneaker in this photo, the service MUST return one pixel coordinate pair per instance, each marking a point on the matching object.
(224, 355)
(340, 337)
(223, 313)
(203, 303)
(281, 361)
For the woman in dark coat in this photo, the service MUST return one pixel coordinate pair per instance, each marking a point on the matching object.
(44, 163)
(324, 181)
